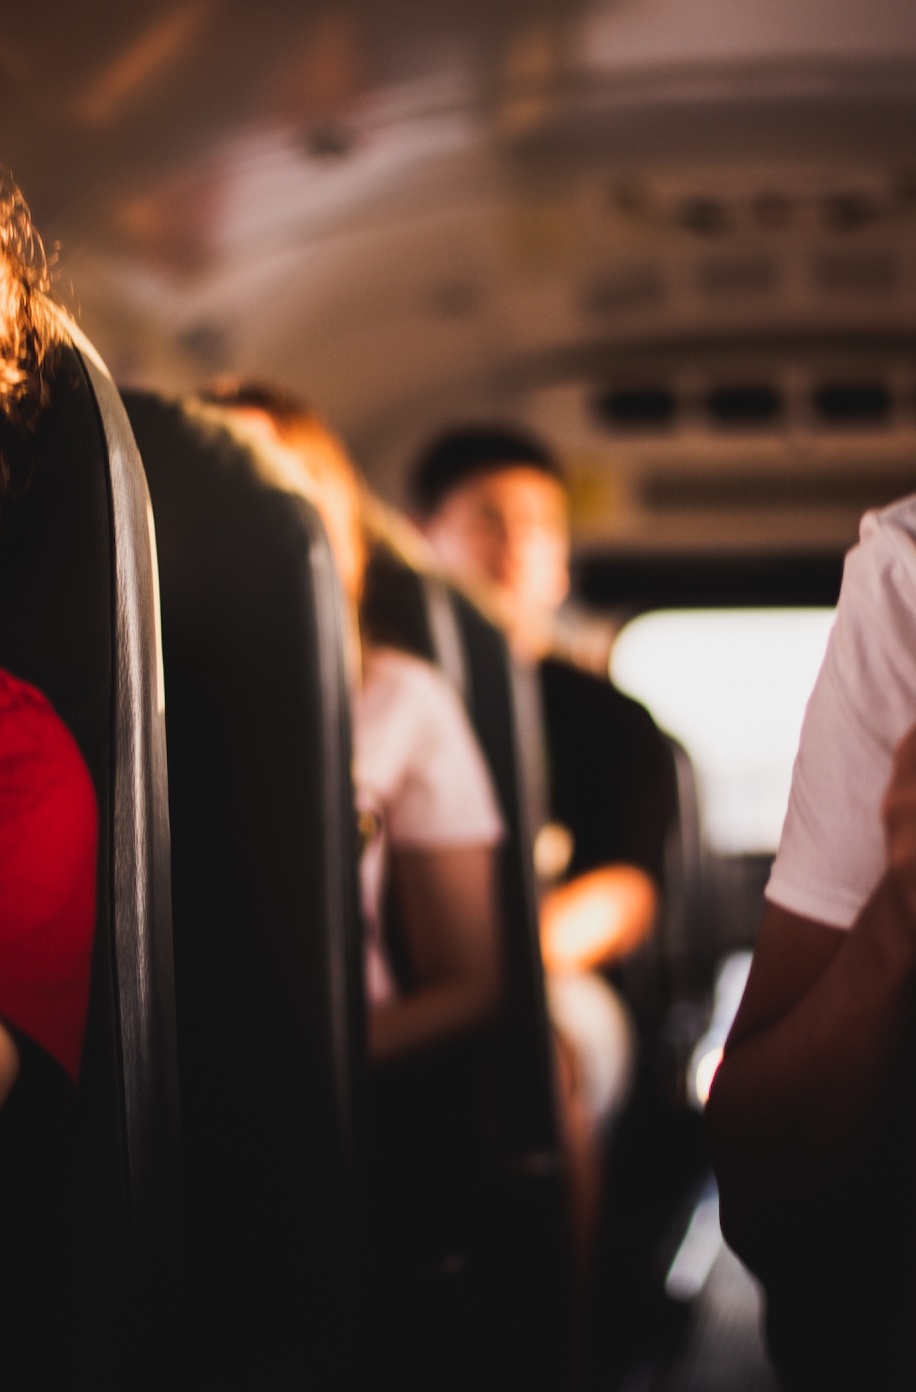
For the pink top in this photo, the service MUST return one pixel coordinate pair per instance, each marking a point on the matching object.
(420, 778)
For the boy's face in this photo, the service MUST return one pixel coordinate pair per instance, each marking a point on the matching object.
(508, 530)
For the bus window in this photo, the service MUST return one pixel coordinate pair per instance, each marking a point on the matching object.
(731, 685)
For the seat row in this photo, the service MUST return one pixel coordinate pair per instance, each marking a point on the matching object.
(213, 1170)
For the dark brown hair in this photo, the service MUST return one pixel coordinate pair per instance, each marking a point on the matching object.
(288, 413)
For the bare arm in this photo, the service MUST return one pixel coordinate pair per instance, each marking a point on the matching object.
(9, 1064)
(449, 918)
(824, 1028)
(596, 918)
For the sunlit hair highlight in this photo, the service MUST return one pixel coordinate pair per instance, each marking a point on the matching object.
(29, 327)
(297, 424)
(321, 471)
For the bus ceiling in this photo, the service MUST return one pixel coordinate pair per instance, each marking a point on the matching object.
(679, 240)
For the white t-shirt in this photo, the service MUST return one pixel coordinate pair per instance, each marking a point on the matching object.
(421, 781)
(832, 852)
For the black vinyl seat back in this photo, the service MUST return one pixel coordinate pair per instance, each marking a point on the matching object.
(267, 937)
(79, 620)
(688, 940)
(673, 965)
(523, 1266)
(423, 615)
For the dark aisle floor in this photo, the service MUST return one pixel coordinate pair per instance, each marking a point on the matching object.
(723, 1348)
(709, 1326)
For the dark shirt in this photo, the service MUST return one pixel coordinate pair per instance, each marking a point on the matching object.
(610, 771)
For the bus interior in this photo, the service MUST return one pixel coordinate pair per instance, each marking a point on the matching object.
(675, 241)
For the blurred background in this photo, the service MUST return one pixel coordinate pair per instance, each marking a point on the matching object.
(643, 226)
(676, 237)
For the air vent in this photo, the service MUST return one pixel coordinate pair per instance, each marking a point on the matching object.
(455, 299)
(859, 273)
(667, 491)
(772, 211)
(209, 343)
(853, 403)
(744, 405)
(728, 395)
(330, 141)
(636, 288)
(638, 408)
(847, 212)
(841, 212)
(738, 275)
(708, 216)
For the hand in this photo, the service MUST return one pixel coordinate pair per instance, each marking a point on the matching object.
(898, 812)
(596, 918)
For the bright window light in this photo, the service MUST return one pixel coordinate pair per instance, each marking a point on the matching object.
(731, 685)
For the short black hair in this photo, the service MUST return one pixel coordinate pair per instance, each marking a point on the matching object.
(458, 455)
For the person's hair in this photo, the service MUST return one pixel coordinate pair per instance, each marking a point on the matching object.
(297, 423)
(306, 438)
(289, 413)
(452, 458)
(29, 333)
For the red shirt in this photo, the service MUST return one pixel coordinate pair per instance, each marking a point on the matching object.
(48, 842)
